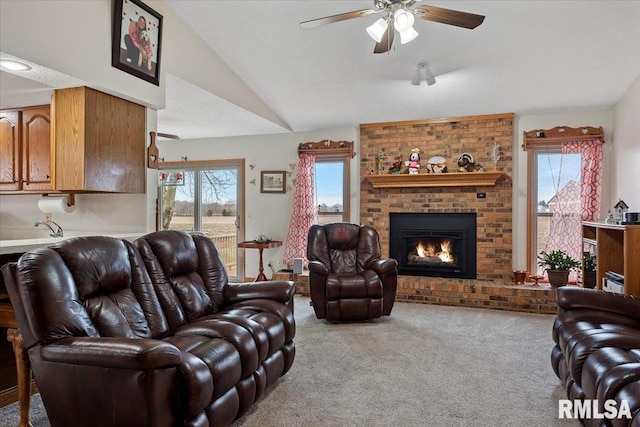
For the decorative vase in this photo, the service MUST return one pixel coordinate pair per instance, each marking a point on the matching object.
(558, 278)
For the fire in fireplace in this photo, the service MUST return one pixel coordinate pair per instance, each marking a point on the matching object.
(434, 244)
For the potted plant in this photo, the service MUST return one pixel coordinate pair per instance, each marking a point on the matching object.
(557, 264)
(588, 269)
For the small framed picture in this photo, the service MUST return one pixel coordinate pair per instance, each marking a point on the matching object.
(170, 177)
(136, 40)
(273, 182)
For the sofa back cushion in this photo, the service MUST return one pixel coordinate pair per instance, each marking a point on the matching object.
(187, 273)
(85, 286)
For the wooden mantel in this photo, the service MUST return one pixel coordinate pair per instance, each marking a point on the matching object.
(455, 179)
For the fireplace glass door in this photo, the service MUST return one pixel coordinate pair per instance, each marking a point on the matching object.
(440, 245)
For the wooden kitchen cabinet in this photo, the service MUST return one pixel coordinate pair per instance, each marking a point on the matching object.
(25, 149)
(98, 142)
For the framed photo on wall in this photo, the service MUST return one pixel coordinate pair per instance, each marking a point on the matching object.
(273, 182)
(136, 40)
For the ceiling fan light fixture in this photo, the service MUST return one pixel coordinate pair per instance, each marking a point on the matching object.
(407, 35)
(377, 29)
(402, 20)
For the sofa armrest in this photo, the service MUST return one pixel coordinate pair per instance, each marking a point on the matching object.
(277, 290)
(572, 298)
(143, 354)
(383, 266)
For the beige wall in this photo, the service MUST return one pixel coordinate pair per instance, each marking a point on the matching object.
(625, 165)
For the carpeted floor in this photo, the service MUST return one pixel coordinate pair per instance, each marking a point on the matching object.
(423, 366)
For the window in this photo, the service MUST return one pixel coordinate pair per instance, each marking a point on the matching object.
(211, 202)
(555, 189)
(564, 180)
(331, 181)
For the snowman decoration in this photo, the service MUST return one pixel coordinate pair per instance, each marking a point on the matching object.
(414, 161)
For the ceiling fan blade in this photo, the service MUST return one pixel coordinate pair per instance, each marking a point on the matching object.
(337, 18)
(448, 16)
(386, 42)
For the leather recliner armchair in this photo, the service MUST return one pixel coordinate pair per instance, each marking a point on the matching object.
(348, 279)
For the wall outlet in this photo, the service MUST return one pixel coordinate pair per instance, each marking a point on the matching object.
(47, 217)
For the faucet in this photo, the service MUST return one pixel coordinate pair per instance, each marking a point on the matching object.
(54, 233)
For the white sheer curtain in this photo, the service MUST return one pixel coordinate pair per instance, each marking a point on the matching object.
(304, 213)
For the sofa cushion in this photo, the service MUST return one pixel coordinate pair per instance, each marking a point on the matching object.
(99, 289)
(187, 272)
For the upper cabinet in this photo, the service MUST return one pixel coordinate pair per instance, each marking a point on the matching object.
(98, 142)
(25, 143)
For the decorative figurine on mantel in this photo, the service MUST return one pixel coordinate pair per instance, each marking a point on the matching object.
(414, 161)
(437, 164)
(466, 163)
(396, 167)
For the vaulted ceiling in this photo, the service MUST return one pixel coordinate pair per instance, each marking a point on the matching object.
(527, 57)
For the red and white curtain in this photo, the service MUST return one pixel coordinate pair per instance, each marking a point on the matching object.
(304, 213)
(577, 202)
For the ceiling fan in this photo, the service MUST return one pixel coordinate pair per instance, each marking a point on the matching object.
(399, 16)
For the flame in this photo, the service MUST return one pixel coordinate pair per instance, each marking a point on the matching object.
(425, 251)
(445, 254)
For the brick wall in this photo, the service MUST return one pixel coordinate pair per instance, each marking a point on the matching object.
(450, 138)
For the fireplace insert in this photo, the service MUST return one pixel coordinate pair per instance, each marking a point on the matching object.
(434, 244)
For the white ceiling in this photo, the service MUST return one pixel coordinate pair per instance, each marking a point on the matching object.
(527, 57)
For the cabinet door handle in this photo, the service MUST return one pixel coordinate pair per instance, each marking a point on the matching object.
(48, 177)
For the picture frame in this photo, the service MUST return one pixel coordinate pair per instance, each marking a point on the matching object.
(170, 177)
(137, 40)
(273, 182)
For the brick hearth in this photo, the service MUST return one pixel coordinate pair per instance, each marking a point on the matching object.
(526, 298)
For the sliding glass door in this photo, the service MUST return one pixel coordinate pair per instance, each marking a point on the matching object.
(210, 202)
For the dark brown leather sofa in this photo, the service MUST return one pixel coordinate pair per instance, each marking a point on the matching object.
(148, 333)
(348, 279)
(597, 352)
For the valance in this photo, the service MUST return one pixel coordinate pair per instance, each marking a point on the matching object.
(327, 146)
(561, 134)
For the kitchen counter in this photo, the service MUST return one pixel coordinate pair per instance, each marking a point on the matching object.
(13, 246)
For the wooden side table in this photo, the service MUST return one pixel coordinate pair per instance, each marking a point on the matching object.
(23, 366)
(260, 247)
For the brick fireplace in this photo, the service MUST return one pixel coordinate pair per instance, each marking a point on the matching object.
(381, 144)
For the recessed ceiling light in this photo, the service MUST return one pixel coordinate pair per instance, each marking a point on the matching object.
(12, 65)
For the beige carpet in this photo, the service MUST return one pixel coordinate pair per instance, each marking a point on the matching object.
(423, 366)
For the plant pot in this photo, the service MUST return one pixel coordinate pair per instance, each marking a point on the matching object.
(558, 278)
(589, 280)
